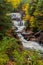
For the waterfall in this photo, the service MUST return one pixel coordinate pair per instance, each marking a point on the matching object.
(26, 44)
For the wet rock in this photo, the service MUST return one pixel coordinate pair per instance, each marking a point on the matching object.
(32, 38)
(27, 35)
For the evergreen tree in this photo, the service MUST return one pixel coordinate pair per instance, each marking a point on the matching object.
(5, 21)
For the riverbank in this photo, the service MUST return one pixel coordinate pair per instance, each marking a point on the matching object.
(12, 52)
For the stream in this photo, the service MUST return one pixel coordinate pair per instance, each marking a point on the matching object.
(19, 24)
(26, 44)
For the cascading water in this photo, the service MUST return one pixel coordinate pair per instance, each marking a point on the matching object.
(26, 44)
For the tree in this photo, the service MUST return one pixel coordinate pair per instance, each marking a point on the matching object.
(39, 17)
(36, 11)
(5, 21)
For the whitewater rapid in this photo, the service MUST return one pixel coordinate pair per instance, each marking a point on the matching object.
(25, 43)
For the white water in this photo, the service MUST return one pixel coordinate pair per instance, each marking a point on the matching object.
(25, 43)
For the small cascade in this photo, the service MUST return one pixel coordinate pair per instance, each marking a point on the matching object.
(26, 44)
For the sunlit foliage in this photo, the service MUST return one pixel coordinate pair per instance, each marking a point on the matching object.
(14, 3)
(35, 11)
